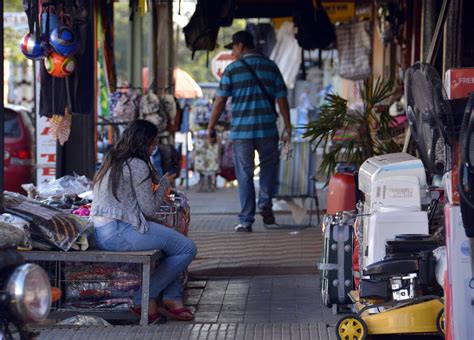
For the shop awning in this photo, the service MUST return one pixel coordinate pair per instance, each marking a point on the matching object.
(185, 86)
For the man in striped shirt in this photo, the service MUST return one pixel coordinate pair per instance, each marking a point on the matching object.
(254, 83)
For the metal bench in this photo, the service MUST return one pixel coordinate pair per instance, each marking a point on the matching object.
(146, 259)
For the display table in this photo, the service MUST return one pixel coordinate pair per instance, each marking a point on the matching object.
(56, 262)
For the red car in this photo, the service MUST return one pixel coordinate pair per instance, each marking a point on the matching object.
(18, 162)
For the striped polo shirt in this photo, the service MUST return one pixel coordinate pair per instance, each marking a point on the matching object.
(252, 115)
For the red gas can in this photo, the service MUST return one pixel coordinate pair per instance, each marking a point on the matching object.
(341, 193)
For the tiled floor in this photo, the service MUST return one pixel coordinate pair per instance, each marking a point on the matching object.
(246, 254)
(259, 299)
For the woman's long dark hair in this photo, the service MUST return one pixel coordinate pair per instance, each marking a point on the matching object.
(134, 143)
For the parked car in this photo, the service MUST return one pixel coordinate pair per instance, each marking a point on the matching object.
(18, 159)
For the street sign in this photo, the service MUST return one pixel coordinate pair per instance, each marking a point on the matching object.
(220, 62)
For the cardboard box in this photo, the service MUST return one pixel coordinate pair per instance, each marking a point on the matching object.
(459, 82)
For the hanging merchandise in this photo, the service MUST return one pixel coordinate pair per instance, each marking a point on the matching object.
(201, 32)
(168, 104)
(265, 38)
(127, 107)
(314, 29)
(68, 73)
(63, 41)
(287, 53)
(355, 50)
(33, 48)
(151, 110)
(59, 66)
(49, 19)
(33, 45)
(202, 112)
(206, 155)
(175, 122)
(61, 126)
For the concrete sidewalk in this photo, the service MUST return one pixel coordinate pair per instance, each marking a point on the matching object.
(260, 285)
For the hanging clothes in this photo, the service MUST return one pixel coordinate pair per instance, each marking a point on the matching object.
(287, 53)
(264, 36)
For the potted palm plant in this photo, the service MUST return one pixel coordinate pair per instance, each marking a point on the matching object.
(353, 135)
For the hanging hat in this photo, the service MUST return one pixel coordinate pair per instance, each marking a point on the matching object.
(59, 66)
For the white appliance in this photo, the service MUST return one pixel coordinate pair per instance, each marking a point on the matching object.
(386, 224)
(394, 186)
(394, 191)
(388, 166)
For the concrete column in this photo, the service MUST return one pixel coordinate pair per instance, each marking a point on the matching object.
(165, 45)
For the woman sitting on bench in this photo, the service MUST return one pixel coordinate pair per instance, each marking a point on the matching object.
(124, 196)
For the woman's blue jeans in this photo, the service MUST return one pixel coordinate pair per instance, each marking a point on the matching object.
(178, 250)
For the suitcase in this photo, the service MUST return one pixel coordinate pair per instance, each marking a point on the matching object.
(336, 265)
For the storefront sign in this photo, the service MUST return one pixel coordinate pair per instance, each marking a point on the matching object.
(339, 11)
(220, 62)
(45, 143)
(45, 152)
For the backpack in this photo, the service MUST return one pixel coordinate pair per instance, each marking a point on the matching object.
(151, 110)
(126, 106)
(314, 29)
(201, 32)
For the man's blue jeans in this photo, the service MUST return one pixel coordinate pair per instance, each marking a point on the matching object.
(244, 154)
(179, 251)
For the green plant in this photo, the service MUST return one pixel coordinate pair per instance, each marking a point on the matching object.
(352, 136)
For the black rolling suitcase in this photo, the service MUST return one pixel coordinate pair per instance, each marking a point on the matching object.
(336, 264)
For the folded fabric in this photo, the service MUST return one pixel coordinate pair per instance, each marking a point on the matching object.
(53, 225)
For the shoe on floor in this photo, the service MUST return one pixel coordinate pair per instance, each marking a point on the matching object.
(243, 228)
(268, 217)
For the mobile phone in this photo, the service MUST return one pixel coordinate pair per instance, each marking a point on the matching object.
(213, 133)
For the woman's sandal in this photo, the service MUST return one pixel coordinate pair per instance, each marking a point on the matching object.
(179, 314)
(151, 318)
